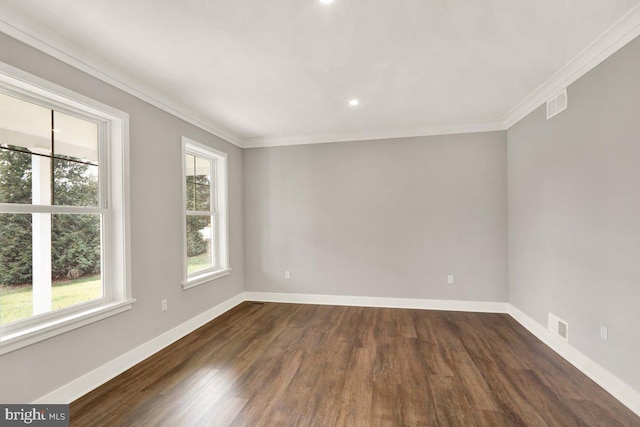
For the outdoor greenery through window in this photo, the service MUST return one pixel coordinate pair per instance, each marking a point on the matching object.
(205, 211)
(200, 253)
(51, 213)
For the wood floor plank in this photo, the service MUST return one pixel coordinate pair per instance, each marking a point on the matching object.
(418, 407)
(267, 364)
(543, 399)
(356, 401)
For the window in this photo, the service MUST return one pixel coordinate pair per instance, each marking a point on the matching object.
(205, 220)
(62, 210)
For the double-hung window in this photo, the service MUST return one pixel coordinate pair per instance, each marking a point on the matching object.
(62, 210)
(205, 216)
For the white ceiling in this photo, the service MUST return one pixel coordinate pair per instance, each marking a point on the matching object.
(273, 72)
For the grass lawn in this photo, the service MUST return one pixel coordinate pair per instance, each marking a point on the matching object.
(16, 304)
(198, 262)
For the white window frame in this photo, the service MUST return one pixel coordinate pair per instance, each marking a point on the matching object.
(220, 209)
(114, 208)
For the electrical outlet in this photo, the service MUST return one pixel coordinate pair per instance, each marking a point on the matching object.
(450, 279)
(604, 333)
(287, 275)
(164, 305)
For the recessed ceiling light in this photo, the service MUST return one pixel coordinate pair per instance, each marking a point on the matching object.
(354, 102)
(326, 1)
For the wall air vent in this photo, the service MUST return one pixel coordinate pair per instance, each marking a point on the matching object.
(559, 327)
(557, 104)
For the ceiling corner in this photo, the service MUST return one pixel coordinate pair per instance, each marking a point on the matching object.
(367, 136)
(36, 39)
(617, 36)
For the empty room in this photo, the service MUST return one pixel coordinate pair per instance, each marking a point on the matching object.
(320, 213)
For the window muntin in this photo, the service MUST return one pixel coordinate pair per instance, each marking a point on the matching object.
(57, 249)
(24, 125)
(205, 243)
(201, 254)
(104, 210)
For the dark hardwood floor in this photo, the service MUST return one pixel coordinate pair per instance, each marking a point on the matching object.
(297, 365)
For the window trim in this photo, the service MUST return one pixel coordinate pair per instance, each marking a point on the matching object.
(219, 209)
(116, 246)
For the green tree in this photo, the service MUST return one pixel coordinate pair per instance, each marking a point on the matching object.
(15, 176)
(15, 249)
(198, 193)
(75, 239)
(15, 229)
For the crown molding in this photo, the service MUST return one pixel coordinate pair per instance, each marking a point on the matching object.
(613, 39)
(367, 136)
(617, 36)
(36, 39)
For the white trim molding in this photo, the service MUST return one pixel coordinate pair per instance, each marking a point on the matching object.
(218, 212)
(79, 387)
(83, 385)
(360, 301)
(90, 381)
(19, 28)
(23, 338)
(605, 379)
(615, 38)
(368, 136)
(618, 35)
(113, 209)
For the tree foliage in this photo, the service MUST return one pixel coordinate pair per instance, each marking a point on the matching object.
(198, 196)
(75, 239)
(15, 229)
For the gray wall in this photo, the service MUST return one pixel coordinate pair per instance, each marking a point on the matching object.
(574, 214)
(156, 235)
(387, 218)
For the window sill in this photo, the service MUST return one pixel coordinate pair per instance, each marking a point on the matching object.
(204, 278)
(32, 335)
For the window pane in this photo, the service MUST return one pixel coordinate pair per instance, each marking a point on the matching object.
(24, 126)
(75, 259)
(15, 177)
(75, 184)
(75, 263)
(189, 163)
(198, 171)
(75, 138)
(199, 238)
(203, 184)
(16, 272)
(203, 171)
(203, 197)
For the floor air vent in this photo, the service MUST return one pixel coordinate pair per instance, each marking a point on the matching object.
(559, 327)
(557, 104)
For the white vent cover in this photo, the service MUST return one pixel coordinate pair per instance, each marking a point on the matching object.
(557, 104)
(559, 327)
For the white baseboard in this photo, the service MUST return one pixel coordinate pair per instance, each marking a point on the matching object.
(616, 387)
(605, 379)
(423, 304)
(83, 385)
(79, 387)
